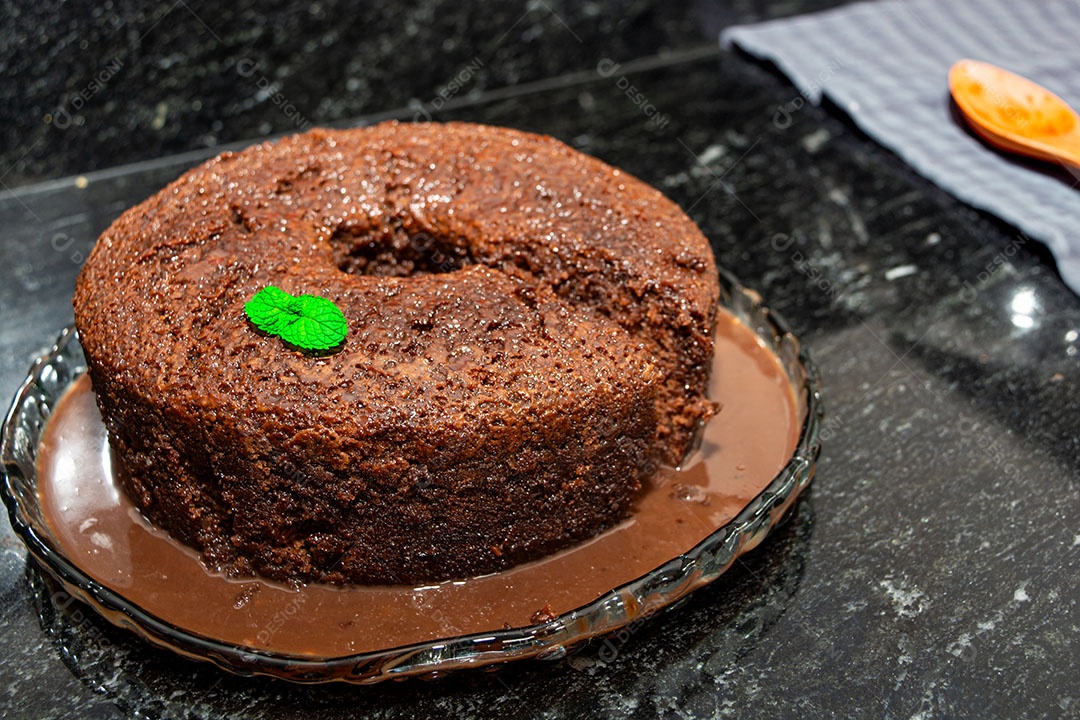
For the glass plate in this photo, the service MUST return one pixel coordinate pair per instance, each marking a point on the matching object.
(621, 606)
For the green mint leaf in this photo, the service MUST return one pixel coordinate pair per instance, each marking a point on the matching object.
(272, 309)
(320, 324)
(308, 321)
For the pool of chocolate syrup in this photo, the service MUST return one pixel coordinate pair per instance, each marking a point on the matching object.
(94, 525)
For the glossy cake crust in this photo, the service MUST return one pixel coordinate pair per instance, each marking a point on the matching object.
(529, 333)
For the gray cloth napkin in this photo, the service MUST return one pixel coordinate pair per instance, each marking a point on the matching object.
(886, 65)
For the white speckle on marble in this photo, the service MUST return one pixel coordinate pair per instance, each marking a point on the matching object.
(1021, 593)
(858, 227)
(907, 602)
(900, 271)
(933, 238)
(853, 606)
(825, 235)
(1076, 540)
(837, 196)
(675, 180)
(28, 277)
(161, 114)
(815, 140)
(961, 644)
(711, 154)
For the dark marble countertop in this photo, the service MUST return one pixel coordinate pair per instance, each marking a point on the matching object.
(930, 572)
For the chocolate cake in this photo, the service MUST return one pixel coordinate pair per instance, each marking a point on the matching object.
(529, 334)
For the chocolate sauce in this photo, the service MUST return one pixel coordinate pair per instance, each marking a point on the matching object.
(95, 525)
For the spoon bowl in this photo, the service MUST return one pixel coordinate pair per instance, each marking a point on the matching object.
(1015, 114)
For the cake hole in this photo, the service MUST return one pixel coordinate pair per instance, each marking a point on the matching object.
(240, 219)
(396, 253)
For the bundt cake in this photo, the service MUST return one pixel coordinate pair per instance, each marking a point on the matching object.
(529, 334)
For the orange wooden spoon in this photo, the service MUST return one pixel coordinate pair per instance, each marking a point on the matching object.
(1014, 114)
